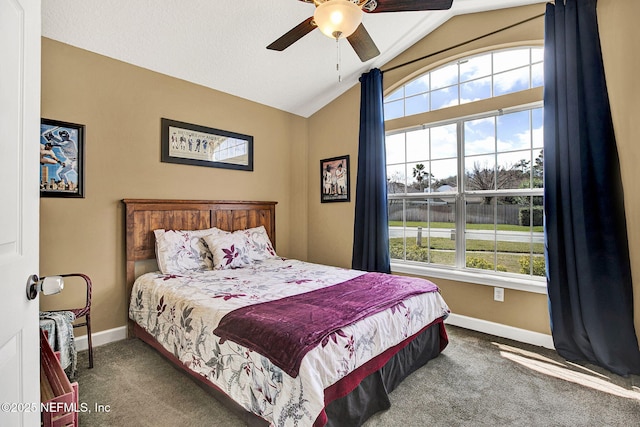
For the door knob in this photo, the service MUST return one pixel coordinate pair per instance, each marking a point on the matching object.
(47, 285)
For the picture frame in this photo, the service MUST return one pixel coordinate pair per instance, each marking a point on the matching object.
(189, 144)
(334, 179)
(61, 159)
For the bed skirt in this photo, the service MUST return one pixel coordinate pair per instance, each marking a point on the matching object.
(352, 400)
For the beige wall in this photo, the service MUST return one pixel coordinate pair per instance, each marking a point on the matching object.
(121, 106)
(331, 133)
(619, 37)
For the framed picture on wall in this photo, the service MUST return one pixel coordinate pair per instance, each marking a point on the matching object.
(334, 180)
(189, 144)
(61, 159)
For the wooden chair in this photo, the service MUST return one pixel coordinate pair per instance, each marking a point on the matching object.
(83, 312)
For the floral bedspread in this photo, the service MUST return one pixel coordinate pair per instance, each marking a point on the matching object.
(181, 312)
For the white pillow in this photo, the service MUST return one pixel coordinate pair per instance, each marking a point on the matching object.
(229, 250)
(181, 251)
(260, 247)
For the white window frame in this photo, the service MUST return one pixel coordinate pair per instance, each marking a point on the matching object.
(460, 272)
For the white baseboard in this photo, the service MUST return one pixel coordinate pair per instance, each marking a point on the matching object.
(101, 338)
(500, 330)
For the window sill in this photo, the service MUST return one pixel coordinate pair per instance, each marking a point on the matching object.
(538, 286)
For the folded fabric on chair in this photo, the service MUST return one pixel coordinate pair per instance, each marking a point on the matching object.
(59, 326)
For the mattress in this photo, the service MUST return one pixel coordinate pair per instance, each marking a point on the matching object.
(181, 312)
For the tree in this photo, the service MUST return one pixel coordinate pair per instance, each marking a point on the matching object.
(522, 165)
(481, 179)
(485, 178)
(536, 182)
(538, 174)
(538, 167)
(395, 183)
(420, 174)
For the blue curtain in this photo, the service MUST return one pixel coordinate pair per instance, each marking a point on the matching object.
(371, 226)
(588, 268)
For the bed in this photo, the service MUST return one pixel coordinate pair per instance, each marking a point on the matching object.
(201, 318)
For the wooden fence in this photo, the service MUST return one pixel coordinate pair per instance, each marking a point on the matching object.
(476, 214)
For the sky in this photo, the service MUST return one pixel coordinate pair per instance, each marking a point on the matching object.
(506, 138)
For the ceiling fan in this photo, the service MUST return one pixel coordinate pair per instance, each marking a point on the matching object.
(343, 18)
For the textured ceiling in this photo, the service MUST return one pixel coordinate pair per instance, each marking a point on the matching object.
(221, 44)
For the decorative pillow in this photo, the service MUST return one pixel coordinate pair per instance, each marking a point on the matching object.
(229, 250)
(180, 251)
(260, 246)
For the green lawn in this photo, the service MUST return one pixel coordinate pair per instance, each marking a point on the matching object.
(500, 227)
(480, 254)
(442, 243)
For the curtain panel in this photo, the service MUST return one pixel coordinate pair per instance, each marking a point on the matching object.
(588, 267)
(371, 225)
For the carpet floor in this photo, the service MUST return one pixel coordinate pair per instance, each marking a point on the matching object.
(479, 380)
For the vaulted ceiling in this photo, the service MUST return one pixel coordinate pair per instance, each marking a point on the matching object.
(221, 44)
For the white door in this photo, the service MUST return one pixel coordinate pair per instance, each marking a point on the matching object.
(19, 210)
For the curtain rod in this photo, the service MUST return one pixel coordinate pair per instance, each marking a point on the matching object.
(463, 43)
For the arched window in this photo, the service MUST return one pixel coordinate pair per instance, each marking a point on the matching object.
(465, 193)
(467, 80)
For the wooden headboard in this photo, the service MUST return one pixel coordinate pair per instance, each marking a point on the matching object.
(145, 215)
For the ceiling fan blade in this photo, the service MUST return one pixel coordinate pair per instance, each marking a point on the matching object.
(408, 5)
(293, 35)
(363, 44)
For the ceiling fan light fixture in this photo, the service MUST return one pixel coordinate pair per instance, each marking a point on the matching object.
(338, 18)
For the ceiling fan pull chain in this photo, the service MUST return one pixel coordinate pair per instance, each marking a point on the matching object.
(338, 59)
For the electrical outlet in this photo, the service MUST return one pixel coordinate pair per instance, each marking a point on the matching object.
(498, 294)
